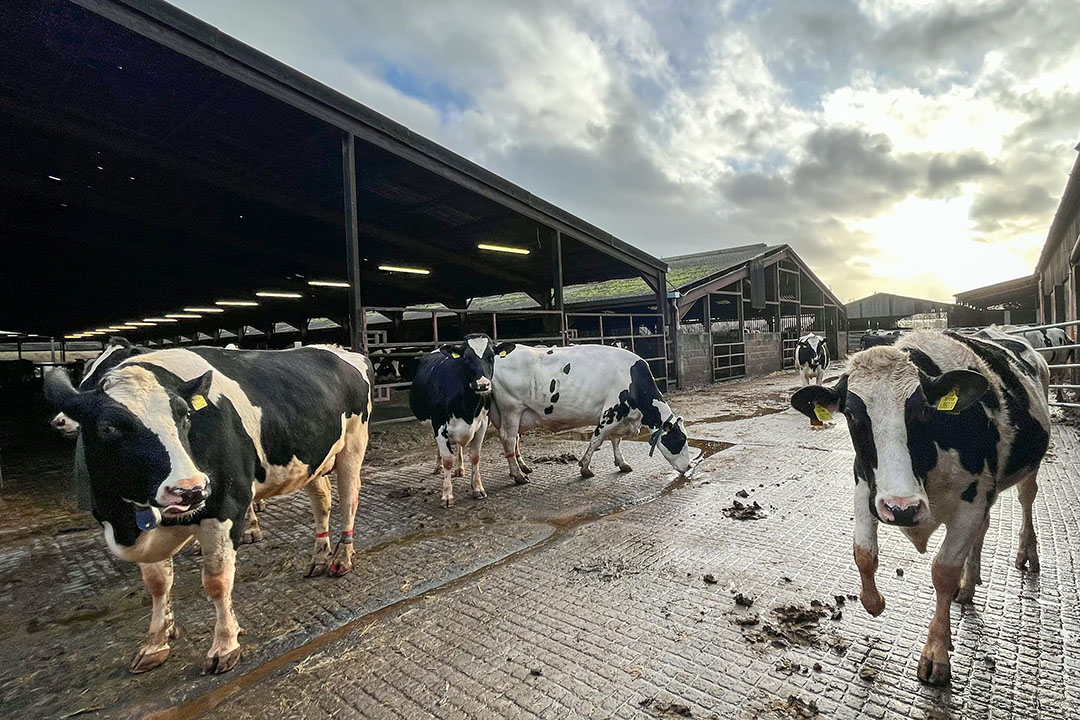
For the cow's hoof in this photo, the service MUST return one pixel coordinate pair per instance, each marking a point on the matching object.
(965, 595)
(316, 570)
(934, 668)
(479, 494)
(1027, 560)
(217, 664)
(146, 660)
(195, 548)
(587, 473)
(521, 480)
(527, 469)
(340, 569)
(259, 505)
(624, 468)
(459, 473)
(874, 603)
(252, 536)
(448, 502)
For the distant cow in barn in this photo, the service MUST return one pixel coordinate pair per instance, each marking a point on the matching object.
(177, 441)
(878, 338)
(812, 357)
(1051, 338)
(941, 424)
(560, 388)
(453, 390)
(116, 351)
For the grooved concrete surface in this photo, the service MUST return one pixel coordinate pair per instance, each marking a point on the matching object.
(569, 598)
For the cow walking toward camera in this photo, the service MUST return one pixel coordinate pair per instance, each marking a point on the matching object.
(176, 442)
(561, 388)
(941, 424)
(452, 389)
(812, 357)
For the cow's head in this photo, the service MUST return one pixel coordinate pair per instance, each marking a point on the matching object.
(116, 350)
(883, 396)
(670, 437)
(476, 358)
(135, 436)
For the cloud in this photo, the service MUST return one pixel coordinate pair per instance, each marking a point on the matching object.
(843, 128)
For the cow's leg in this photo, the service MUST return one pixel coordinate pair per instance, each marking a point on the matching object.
(348, 464)
(218, 572)
(599, 436)
(438, 459)
(508, 434)
(1027, 557)
(252, 532)
(866, 550)
(619, 461)
(973, 564)
(447, 458)
(475, 446)
(525, 467)
(934, 667)
(318, 492)
(158, 578)
(804, 376)
(459, 468)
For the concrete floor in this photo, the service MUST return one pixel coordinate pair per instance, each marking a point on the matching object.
(568, 598)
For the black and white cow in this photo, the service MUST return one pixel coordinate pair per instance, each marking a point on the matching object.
(116, 351)
(177, 442)
(877, 338)
(812, 357)
(941, 424)
(1050, 338)
(452, 389)
(560, 388)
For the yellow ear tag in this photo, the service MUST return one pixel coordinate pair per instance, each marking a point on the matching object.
(948, 401)
(198, 402)
(502, 354)
(455, 355)
(822, 413)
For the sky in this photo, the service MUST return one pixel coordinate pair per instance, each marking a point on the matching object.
(910, 146)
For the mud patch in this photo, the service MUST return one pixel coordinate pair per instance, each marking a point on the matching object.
(665, 709)
(793, 707)
(561, 459)
(798, 626)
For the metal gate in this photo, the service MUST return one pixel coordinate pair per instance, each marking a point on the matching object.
(643, 334)
(1060, 367)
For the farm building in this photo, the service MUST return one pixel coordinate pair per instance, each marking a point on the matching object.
(1012, 301)
(1056, 270)
(883, 311)
(757, 300)
(170, 184)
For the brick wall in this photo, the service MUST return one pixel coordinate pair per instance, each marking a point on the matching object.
(695, 357)
(762, 353)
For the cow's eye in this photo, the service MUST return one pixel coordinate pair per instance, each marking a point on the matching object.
(108, 431)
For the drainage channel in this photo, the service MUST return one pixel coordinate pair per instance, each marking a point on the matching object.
(562, 525)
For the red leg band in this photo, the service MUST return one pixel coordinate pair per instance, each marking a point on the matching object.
(347, 532)
(511, 455)
(322, 534)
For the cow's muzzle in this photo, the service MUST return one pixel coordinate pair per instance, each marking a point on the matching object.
(905, 512)
(187, 495)
(482, 386)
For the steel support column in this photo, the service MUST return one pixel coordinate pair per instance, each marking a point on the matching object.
(357, 329)
(557, 283)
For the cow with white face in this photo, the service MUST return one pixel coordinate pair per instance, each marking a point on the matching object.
(176, 443)
(941, 423)
(561, 388)
(812, 357)
(116, 351)
(452, 389)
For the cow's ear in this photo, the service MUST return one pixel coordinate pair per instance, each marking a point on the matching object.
(954, 391)
(451, 351)
(813, 396)
(119, 341)
(504, 349)
(63, 396)
(196, 390)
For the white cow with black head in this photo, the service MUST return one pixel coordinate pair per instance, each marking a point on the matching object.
(560, 388)
(941, 423)
(812, 357)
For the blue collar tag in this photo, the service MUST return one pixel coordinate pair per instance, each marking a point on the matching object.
(147, 519)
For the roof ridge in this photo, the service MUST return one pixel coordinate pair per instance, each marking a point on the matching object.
(717, 251)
